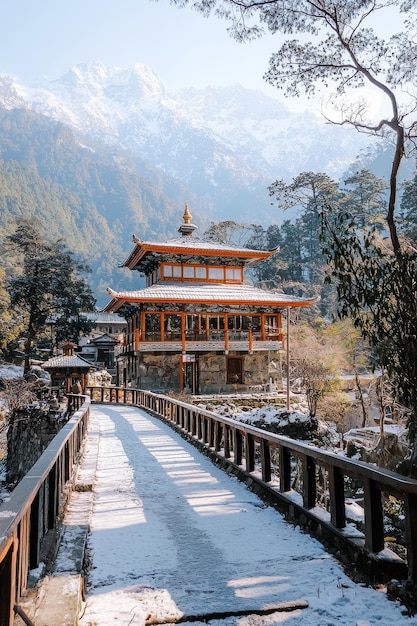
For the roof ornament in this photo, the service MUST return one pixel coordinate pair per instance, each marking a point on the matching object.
(135, 239)
(187, 228)
(187, 217)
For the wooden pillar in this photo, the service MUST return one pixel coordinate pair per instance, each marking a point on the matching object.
(142, 326)
(181, 375)
(183, 331)
(288, 359)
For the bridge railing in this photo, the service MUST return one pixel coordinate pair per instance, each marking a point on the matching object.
(35, 507)
(340, 500)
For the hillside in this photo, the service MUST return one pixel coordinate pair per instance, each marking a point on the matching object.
(92, 198)
(226, 144)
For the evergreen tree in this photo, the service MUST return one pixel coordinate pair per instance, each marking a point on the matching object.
(366, 198)
(408, 210)
(9, 325)
(48, 284)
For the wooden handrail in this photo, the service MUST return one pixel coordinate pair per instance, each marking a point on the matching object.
(36, 506)
(269, 461)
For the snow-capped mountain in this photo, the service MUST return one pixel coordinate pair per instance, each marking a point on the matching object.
(226, 144)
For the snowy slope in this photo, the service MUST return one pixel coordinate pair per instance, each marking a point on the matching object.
(226, 143)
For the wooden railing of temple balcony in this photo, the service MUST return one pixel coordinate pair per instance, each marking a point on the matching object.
(191, 341)
(34, 510)
(337, 499)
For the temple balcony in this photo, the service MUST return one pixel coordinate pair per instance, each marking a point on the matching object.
(198, 342)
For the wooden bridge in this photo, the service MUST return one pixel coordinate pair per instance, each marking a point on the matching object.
(311, 487)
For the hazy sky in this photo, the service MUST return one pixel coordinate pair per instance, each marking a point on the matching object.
(46, 37)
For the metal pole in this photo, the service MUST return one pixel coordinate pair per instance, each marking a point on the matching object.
(288, 358)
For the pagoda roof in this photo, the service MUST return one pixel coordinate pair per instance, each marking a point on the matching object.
(192, 246)
(193, 293)
(70, 361)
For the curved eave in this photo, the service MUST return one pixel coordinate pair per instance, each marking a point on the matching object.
(142, 250)
(119, 301)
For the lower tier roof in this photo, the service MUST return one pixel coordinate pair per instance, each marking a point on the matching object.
(210, 294)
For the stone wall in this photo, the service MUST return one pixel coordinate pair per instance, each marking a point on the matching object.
(258, 369)
(161, 372)
(29, 432)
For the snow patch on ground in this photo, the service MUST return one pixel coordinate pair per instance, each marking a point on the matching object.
(8, 372)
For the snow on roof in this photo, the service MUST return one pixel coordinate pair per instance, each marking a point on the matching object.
(104, 318)
(66, 361)
(194, 243)
(205, 293)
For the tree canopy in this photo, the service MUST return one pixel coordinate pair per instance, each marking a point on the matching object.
(49, 284)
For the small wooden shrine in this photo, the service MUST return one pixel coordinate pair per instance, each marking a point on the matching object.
(66, 369)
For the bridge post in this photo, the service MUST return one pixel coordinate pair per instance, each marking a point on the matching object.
(410, 506)
(7, 582)
(217, 435)
(35, 532)
(309, 481)
(265, 460)
(249, 452)
(237, 446)
(53, 498)
(337, 497)
(374, 516)
(226, 441)
(284, 469)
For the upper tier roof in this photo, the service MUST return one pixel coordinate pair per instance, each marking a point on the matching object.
(194, 247)
(187, 244)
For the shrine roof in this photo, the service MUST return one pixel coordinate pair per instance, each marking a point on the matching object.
(193, 293)
(63, 361)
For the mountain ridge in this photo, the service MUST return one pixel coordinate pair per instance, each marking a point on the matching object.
(227, 144)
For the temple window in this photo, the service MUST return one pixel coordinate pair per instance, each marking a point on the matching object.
(205, 273)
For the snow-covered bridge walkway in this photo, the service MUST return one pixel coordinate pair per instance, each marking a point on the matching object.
(173, 537)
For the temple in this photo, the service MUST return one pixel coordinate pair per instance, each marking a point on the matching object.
(197, 327)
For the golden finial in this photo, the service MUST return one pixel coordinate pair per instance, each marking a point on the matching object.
(187, 217)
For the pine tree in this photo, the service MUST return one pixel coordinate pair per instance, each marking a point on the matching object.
(48, 284)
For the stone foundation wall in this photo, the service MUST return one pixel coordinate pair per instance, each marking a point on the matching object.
(161, 372)
(30, 431)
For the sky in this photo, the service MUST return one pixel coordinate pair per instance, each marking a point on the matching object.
(46, 37)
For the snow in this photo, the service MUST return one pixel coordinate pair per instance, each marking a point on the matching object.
(174, 536)
(11, 371)
(268, 414)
